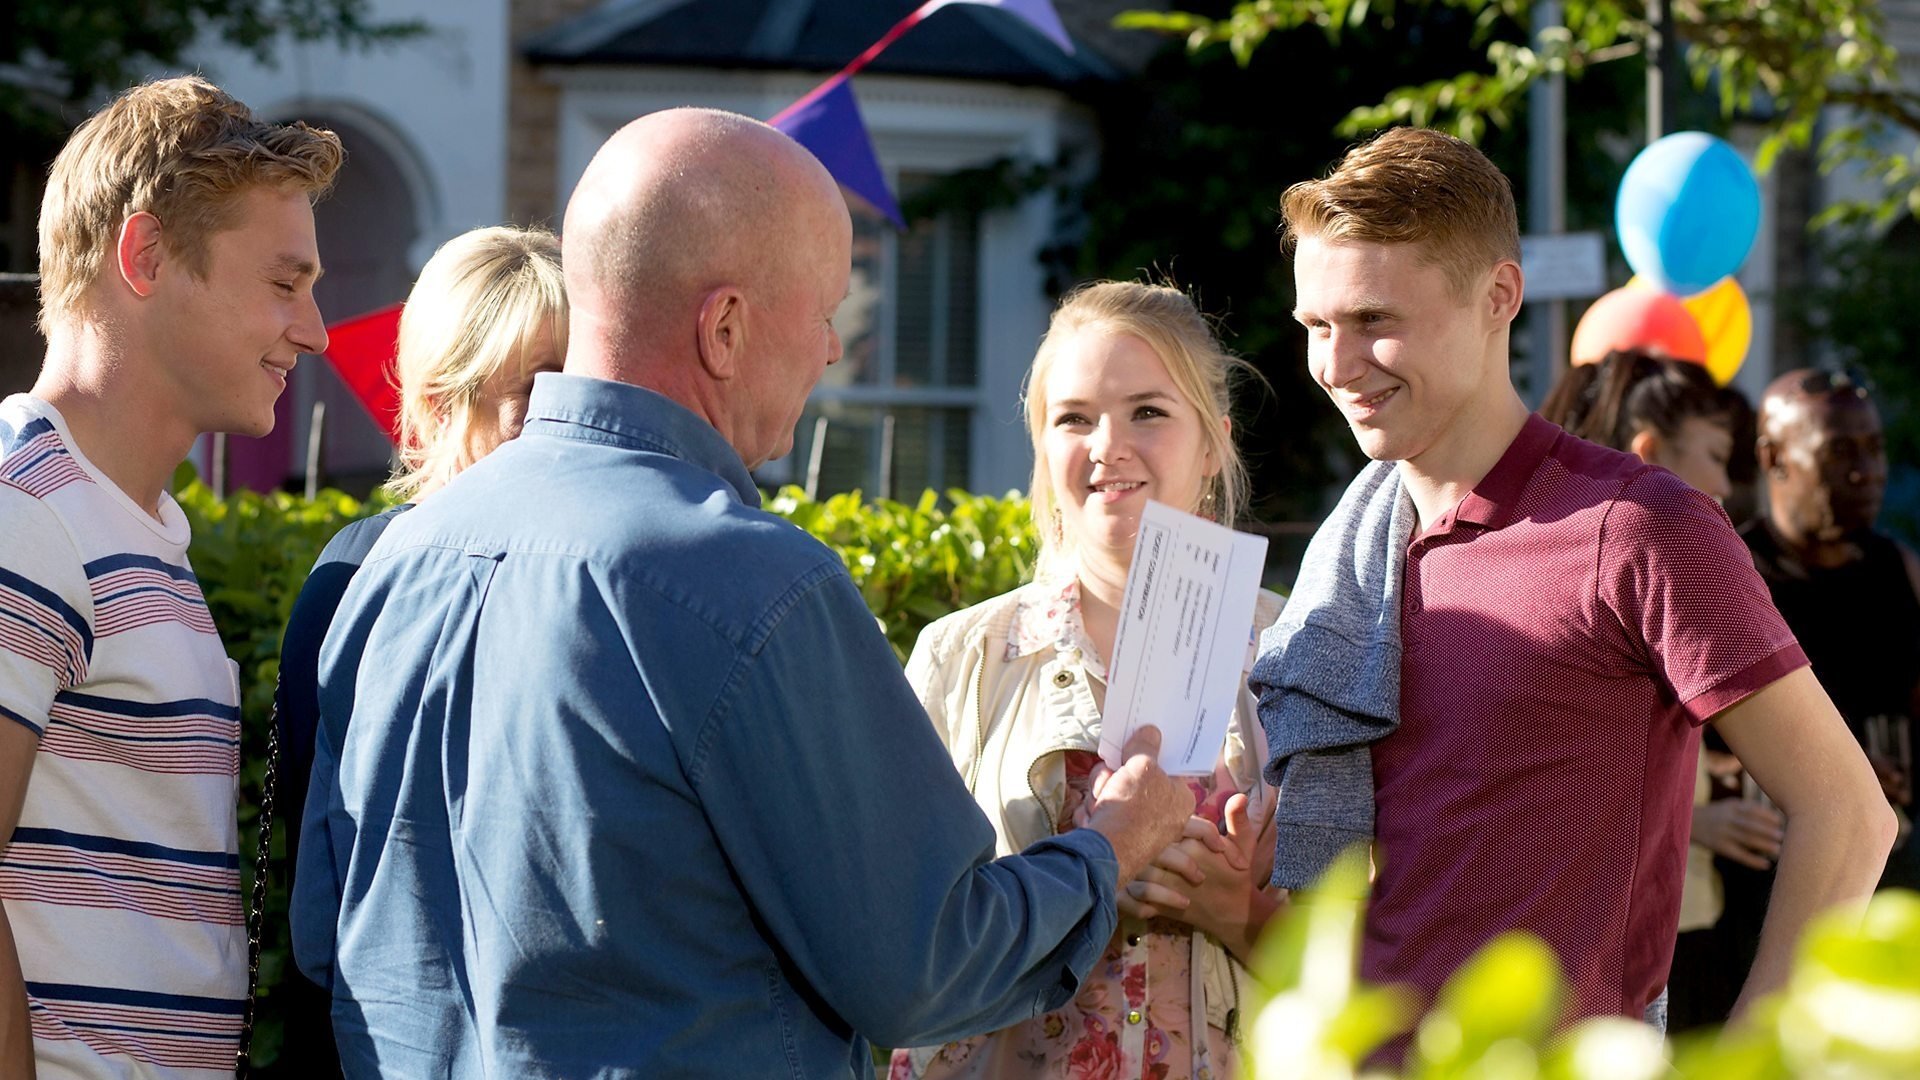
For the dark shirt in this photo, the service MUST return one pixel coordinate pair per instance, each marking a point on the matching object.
(296, 699)
(306, 1029)
(1860, 623)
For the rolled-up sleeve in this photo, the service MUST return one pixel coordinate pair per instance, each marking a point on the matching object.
(862, 851)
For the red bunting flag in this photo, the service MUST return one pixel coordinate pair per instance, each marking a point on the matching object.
(361, 350)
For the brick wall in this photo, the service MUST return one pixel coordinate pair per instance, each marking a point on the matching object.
(533, 116)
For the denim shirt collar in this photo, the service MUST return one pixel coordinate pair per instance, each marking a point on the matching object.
(601, 410)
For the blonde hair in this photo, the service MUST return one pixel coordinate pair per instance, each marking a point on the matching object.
(487, 298)
(1412, 186)
(179, 149)
(1202, 371)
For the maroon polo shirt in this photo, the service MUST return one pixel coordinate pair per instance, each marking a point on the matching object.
(1566, 629)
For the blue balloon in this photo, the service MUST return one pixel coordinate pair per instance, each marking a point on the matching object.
(1687, 213)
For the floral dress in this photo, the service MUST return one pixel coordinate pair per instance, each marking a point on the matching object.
(1134, 1014)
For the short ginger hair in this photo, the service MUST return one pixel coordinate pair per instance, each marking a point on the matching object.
(180, 149)
(1412, 186)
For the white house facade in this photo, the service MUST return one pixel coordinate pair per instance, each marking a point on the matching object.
(492, 114)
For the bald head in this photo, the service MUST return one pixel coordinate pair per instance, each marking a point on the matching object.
(1808, 395)
(681, 202)
(1821, 449)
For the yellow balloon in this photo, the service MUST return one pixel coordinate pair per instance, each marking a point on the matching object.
(1726, 321)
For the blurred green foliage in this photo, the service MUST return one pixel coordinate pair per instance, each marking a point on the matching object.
(1866, 310)
(1785, 65)
(1851, 1008)
(252, 553)
(914, 564)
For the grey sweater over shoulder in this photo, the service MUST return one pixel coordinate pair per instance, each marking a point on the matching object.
(1328, 676)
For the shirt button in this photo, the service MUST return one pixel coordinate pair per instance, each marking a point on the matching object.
(1063, 678)
(1133, 1016)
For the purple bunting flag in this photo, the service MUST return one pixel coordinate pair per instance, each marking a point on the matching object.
(827, 122)
(1038, 13)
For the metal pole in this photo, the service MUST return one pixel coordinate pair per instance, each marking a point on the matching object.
(816, 455)
(314, 428)
(886, 456)
(219, 464)
(1663, 69)
(1547, 200)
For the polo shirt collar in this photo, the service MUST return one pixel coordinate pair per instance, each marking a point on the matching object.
(1492, 501)
(601, 410)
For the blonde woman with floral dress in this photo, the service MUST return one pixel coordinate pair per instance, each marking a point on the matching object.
(1127, 401)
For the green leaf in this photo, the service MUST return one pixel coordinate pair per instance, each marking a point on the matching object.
(1165, 22)
(1508, 994)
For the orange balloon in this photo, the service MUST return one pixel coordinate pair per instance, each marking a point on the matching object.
(1726, 321)
(1641, 319)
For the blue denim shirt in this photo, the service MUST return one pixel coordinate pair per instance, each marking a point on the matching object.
(633, 786)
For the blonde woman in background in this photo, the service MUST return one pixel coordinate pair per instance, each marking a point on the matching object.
(488, 313)
(1127, 401)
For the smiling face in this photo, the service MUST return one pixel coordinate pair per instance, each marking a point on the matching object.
(1409, 361)
(1118, 432)
(228, 340)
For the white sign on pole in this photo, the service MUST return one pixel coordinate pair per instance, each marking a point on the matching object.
(1566, 266)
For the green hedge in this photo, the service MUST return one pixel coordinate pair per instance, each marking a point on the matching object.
(252, 552)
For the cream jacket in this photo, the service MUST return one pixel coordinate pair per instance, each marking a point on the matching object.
(1008, 711)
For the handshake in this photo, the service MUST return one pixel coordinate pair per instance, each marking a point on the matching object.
(1138, 807)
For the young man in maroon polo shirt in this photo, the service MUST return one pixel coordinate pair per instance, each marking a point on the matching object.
(1570, 618)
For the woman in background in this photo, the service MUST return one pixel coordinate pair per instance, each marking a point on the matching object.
(1670, 413)
(487, 314)
(1665, 412)
(1127, 401)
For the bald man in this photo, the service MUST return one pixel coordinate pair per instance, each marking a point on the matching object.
(616, 776)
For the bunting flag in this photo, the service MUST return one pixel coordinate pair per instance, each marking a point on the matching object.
(361, 351)
(1038, 14)
(827, 122)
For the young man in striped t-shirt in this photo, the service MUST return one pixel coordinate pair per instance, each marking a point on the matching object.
(177, 262)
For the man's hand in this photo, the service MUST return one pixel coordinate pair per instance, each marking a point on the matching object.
(1749, 833)
(1138, 807)
(1215, 882)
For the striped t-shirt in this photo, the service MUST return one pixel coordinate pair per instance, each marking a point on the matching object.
(122, 881)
